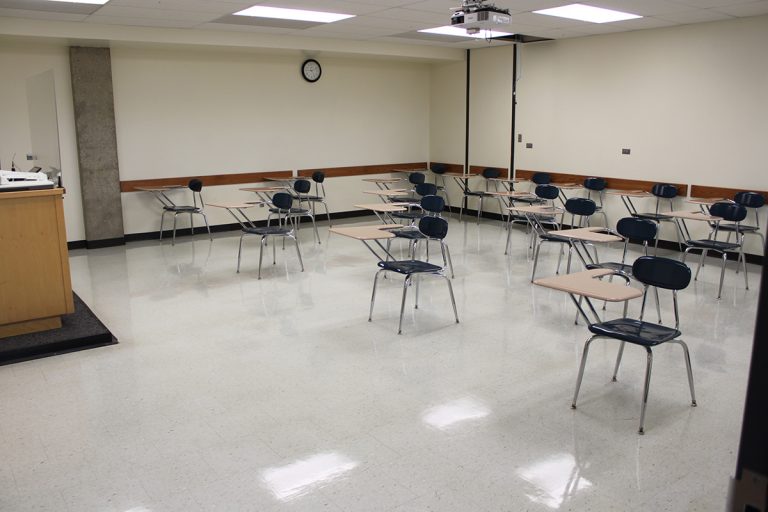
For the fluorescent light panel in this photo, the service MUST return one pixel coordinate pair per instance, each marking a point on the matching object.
(589, 13)
(93, 2)
(460, 32)
(260, 11)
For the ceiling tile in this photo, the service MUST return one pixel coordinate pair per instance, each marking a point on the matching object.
(41, 15)
(695, 16)
(748, 9)
(45, 6)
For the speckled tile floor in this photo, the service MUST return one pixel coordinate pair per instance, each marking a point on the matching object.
(229, 393)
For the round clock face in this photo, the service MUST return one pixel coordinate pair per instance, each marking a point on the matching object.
(311, 70)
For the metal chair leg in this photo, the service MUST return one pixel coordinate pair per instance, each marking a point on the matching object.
(191, 223)
(173, 239)
(701, 263)
(646, 389)
(314, 225)
(658, 305)
(453, 299)
(298, 252)
(239, 252)
(581, 370)
(406, 283)
(535, 259)
(743, 263)
(447, 252)
(618, 361)
(205, 218)
(417, 278)
(722, 275)
(687, 356)
(261, 254)
(162, 218)
(373, 294)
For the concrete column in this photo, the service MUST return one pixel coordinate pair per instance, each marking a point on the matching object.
(91, 70)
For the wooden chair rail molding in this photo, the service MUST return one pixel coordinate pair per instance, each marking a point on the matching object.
(208, 181)
(721, 192)
(614, 183)
(363, 170)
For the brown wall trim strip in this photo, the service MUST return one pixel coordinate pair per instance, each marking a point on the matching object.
(362, 170)
(477, 169)
(613, 183)
(208, 181)
(720, 192)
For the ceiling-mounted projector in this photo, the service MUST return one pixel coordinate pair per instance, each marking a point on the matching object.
(477, 15)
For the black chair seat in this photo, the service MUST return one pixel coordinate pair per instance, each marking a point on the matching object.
(555, 238)
(635, 331)
(477, 193)
(267, 230)
(408, 215)
(292, 210)
(407, 267)
(181, 208)
(624, 268)
(410, 234)
(652, 216)
(312, 198)
(733, 228)
(716, 245)
(528, 200)
(401, 199)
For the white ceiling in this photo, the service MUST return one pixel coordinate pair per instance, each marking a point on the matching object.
(379, 20)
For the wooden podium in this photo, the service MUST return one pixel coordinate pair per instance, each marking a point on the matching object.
(35, 285)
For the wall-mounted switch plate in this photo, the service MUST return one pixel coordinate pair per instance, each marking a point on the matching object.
(625, 151)
(519, 137)
(31, 157)
(528, 145)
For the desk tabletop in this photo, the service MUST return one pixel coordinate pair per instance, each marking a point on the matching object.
(588, 234)
(568, 186)
(163, 188)
(508, 180)
(370, 232)
(383, 207)
(507, 193)
(537, 210)
(459, 175)
(264, 189)
(382, 180)
(695, 215)
(628, 193)
(235, 206)
(586, 283)
(387, 193)
(708, 200)
(287, 178)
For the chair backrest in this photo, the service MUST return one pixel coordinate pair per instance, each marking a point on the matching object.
(732, 212)
(302, 186)
(550, 192)
(637, 229)
(664, 190)
(490, 172)
(596, 184)
(318, 176)
(282, 200)
(750, 199)
(661, 272)
(580, 206)
(434, 227)
(433, 204)
(195, 185)
(426, 189)
(416, 177)
(541, 178)
(439, 168)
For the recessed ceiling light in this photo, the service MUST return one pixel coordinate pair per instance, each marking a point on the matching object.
(460, 32)
(583, 12)
(95, 2)
(260, 11)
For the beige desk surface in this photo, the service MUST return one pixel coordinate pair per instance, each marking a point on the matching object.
(386, 193)
(164, 188)
(383, 207)
(628, 193)
(568, 186)
(264, 189)
(708, 200)
(382, 180)
(233, 205)
(371, 232)
(508, 180)
(536, 210)
(590, 234)
(459, 175)
(287, 178)
(507, 193)
(695, 215)
(586, 283)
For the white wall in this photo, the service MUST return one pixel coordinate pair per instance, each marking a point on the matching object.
(20, 61)
(187, 113)
(690, 102)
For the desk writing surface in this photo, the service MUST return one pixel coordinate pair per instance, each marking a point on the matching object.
(164, 188)
(383, 207)
(628, 193)
(507, 180)
(586, 283)
(507, 193)
(233, 205)
(708, 200)
(567, 186)
(393, 192)
(264, 189)
(694, 215)
(537, 210)
(382, 180)
(370, 232)
(589, 234)
(459, 175)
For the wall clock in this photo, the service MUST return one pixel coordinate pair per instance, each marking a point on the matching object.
(311, 70)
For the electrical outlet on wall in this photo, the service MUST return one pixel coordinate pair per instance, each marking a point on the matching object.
(528, 145)
(625, 151)
(519, 137)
